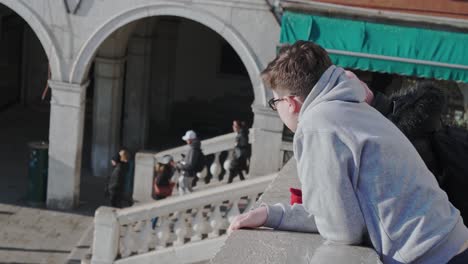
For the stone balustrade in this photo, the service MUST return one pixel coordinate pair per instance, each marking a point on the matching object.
(217, 146)
(138, 234)
(145, 162)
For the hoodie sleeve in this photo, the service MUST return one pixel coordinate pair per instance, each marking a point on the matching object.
(330, 206)
(327, 168)
(291, 218)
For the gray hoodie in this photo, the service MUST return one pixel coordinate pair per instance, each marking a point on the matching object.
(362, 178)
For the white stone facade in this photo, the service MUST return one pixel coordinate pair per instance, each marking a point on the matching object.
(98, 31)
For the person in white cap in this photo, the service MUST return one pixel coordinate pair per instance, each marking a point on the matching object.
(192, 162)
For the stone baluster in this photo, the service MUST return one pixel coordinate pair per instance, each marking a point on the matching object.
(153, 237)
(163, 231)
(201, 178)
(217, 221)
(200, 226)
(180, 230)
(189, 220)
(251, 202)
(144, 237)
(227, 165)
(215, 168)
(234, 211)
(126, 241)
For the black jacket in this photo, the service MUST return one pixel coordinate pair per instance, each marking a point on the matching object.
(242, 149)
(116, 180)
(417, 113)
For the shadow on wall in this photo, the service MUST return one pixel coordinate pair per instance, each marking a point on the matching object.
(78, 7)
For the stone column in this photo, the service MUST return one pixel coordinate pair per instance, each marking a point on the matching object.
(144, 169)
(107, 112)
(106, 236)
(65, 144)
(266, 142)
(137, 85)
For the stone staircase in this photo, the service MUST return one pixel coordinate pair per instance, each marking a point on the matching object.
(189, 228)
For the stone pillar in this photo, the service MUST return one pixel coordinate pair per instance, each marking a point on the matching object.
(65, 144)
(106, 236)
(266, 142)
(137, 85)
(107, 113)
(144, 170)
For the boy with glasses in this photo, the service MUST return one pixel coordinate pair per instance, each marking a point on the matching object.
(361, 178)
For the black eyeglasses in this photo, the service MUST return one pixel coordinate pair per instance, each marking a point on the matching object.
(272, 103)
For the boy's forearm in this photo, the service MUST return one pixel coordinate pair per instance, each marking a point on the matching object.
(291, 218)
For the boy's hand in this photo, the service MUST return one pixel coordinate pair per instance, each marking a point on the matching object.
(252, 219)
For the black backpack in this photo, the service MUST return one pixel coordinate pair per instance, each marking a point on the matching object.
(201, 162)
(451, 149)
(449, 146)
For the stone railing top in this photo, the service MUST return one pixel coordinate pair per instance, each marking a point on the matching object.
(149, 210)
(287, 146)
(268, 246)
(209, 146)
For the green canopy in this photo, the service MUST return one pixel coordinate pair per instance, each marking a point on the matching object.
(386, 48)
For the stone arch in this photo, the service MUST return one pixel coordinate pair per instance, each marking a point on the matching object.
(41, 32)
(80, 67)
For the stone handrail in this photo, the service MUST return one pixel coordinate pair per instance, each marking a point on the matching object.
(127, 234)
(209, 146)
(275, 247)
(145, 162)
(286, 151)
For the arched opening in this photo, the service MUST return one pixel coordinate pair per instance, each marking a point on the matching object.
(197, 82)
(24, 103)
(155, 78)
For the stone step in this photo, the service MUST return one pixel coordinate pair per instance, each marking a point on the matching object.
(81, 253)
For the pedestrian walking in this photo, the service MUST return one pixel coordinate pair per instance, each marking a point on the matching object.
(242, 150)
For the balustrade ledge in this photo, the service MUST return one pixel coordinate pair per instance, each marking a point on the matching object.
(232, 191)
(189, 253)
(144, 158)
(209, 146)
(272, 246)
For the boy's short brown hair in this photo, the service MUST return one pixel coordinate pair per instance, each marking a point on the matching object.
(297, 68)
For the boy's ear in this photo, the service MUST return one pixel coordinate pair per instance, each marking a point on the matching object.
(294, 105)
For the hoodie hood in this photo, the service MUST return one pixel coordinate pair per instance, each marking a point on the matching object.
(334, 85)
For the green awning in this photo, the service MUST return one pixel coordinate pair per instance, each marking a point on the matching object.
(386, 48)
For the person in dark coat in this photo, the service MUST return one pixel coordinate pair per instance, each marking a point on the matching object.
(242, 151)
(114, 183)
(128, 168)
